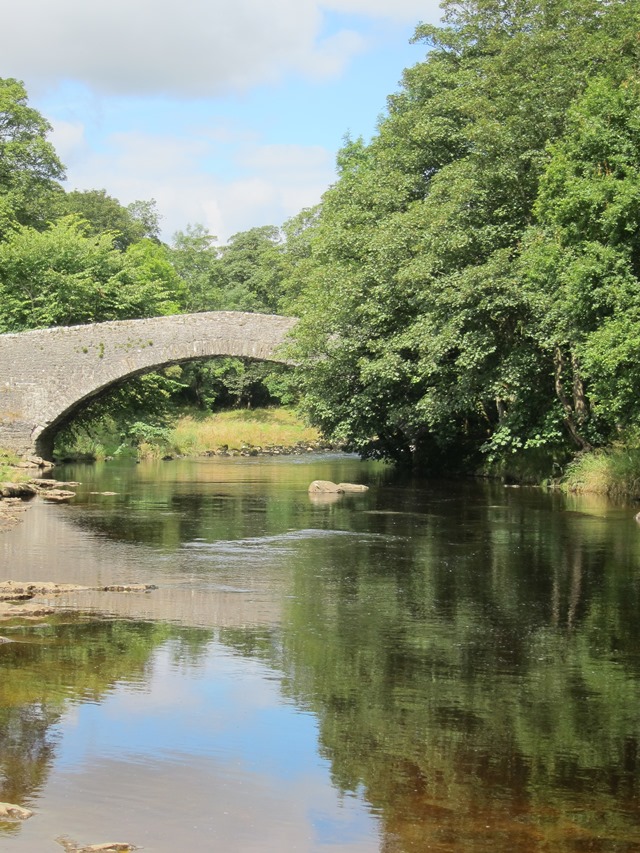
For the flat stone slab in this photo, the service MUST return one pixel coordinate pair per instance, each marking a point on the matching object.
(16, 596)
(106, 847)
(17, 490)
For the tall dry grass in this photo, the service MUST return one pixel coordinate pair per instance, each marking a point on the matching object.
(614, 472)
(192, 435)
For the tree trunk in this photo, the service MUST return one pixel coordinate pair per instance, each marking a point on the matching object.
(579, 397)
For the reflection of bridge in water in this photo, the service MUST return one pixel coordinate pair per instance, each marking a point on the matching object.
(47, 375)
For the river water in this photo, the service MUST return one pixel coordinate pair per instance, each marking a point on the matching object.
(428, 666)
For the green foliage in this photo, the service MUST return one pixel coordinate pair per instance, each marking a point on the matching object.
(8, 473)
(118, 421)
(105, 213)
(583, 257)
(494, 212)
(245, 275)
(250, 269)
(64, 275)
(29, 167)
(196, 260)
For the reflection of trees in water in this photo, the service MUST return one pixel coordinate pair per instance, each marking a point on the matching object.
(47, 667)
(471, 656)
(27, 748)
(475, 672)
(171, 503)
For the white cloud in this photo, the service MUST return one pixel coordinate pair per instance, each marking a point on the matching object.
(268, 183)
(69, 140)
(187, 48)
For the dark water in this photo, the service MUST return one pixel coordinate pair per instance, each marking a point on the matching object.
(430, 666)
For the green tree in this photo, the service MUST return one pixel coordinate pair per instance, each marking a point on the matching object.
(105, 213)
(195, 258)
(582, 261)
(251, 271)
(29, 167)
(245, 275)
(423, 343)
(64, 275)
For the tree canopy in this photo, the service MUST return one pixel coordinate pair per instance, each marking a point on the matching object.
(445, 262)
(29, 166)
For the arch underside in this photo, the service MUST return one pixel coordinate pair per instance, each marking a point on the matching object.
(44, 438)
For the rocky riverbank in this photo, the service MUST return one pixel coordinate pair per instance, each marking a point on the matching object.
(16, 494)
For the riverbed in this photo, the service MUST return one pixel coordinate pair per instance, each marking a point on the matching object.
(425, 666)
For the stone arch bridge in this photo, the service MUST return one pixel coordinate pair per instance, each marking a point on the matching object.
(47, 375)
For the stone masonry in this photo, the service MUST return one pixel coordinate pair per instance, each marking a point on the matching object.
(46, 375)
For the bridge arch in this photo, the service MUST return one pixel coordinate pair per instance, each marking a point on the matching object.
(48, 374)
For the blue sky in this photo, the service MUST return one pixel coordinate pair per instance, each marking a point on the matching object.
(228, 114)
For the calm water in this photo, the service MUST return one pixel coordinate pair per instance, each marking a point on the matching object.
(429, 666)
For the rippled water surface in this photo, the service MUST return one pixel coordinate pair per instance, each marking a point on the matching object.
(428, 666)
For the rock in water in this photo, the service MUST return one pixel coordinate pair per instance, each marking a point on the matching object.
(58, 495)
(324, 486)
(8, 810)
(352, 487)
(327, 487)
(108, 847)
(17, 490)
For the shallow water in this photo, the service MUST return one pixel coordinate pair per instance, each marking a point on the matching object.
(428, 666)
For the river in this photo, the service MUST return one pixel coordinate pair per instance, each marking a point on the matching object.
(450, 666)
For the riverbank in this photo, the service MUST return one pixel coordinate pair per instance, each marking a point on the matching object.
(12, 505)
(252, 431)
(192, 433)
(614, 472)
(611, 472)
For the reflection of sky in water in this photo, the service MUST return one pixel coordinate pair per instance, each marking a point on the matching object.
(226, 707)
(197, 754)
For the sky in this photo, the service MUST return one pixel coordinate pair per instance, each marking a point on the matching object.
(228, 114)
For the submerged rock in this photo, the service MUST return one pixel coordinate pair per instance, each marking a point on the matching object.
(16, 598)
(12, 812)
(48, 483)
(57, 495)
(107, 847)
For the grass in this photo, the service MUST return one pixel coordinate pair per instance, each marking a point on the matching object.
(192, 434)
(614, 472)
(9, 473)
(259, 428)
